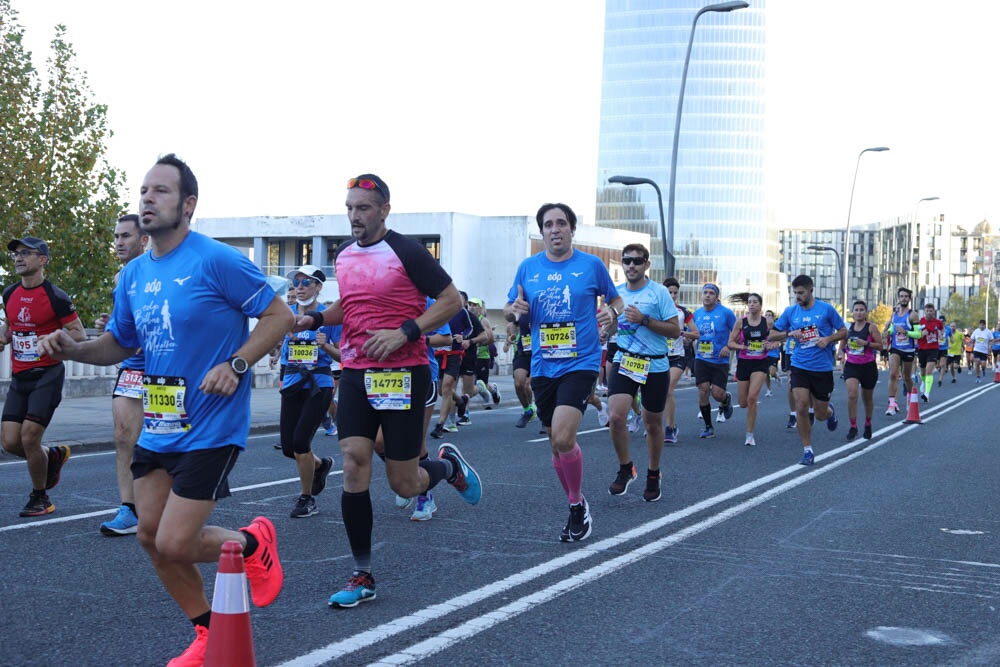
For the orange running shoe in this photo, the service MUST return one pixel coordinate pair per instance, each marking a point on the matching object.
(263, 568)
(193, 655)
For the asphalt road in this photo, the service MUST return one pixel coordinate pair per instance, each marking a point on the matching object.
(883, 553)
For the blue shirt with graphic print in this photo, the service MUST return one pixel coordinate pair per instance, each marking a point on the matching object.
(189, 311)
(563, 300)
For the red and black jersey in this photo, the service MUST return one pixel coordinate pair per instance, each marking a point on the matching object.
(930, 337)
(33, 312)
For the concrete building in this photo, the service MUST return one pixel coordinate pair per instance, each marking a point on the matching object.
(935, 258)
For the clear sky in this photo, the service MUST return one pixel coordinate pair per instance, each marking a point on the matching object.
(493, 108)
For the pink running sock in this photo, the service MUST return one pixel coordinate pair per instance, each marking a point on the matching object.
(557, 464)
(572, 466)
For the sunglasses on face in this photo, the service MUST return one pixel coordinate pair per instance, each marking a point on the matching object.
(305, 282)
(22, 253)
(365, 184)
(636, 261)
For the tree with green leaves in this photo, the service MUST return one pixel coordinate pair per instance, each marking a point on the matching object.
(55, 182)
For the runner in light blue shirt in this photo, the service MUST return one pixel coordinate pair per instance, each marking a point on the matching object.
(649, 317)
(559, 289)
(714, 323)
(816, 327)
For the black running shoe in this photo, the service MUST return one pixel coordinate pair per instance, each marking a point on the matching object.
(579, 521)
(461, 405)
(320, 475)
(38, 505)
(58, 455)
(438, 431)
(564, 535)
(652, 492)
(304, 506)
(852, 433)
(626, 474)
(525, 417)
(868, 432)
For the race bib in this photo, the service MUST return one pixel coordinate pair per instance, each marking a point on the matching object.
(557, 340)
(902, 337)
(634, 367)
(705, 348)
(389, 388)
(129, 384)
(855, 346)
(810, 334)
(526, 342)
(930, 337)
(302, 352)
(163, 404)
(25, 345)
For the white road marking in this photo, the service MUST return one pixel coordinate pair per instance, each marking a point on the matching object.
(432, 645)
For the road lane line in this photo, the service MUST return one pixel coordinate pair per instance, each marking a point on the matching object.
(89, 515)
(449, 637)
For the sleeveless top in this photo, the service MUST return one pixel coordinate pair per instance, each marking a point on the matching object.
(857, 351)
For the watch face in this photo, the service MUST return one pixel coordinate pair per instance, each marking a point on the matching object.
(239, 365)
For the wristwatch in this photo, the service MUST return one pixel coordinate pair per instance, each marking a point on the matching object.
(238, 364)
(645, 321)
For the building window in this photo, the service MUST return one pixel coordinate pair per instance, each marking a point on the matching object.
(303, 251)
(433, 245)
(273, 258)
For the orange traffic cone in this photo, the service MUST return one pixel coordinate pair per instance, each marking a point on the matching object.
(996, 372)
(230, 643)
(912, 413)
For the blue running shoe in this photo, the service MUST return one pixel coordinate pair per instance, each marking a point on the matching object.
(728, 407)
(807, 458)
(327, 422)
(670, 434)
(709, 432)
(812, 418)
(465, 480)
(791, 422)
(360, 588)
(831, 422)
(526, 416)
(425, 508)
(124, 523)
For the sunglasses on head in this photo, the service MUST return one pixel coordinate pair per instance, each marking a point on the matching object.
(366, 184)
(626, 261)
(305, 282)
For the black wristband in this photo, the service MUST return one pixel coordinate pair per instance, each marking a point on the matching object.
(317, 319)
(412, 330)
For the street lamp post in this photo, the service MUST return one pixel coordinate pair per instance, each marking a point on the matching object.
(817, 249)
(913, 274)
(847, 229)
(722, 7)
(667, 238)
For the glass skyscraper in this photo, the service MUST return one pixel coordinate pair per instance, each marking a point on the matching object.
(721, 233)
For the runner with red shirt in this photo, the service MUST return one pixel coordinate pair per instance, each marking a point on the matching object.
(928, 348)
(34, 307)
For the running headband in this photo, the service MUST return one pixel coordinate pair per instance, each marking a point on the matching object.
(711, 286)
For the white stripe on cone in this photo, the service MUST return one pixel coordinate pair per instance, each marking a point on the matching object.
(230, 595)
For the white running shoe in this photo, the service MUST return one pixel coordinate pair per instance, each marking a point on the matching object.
(634, 422)
(602, 416)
